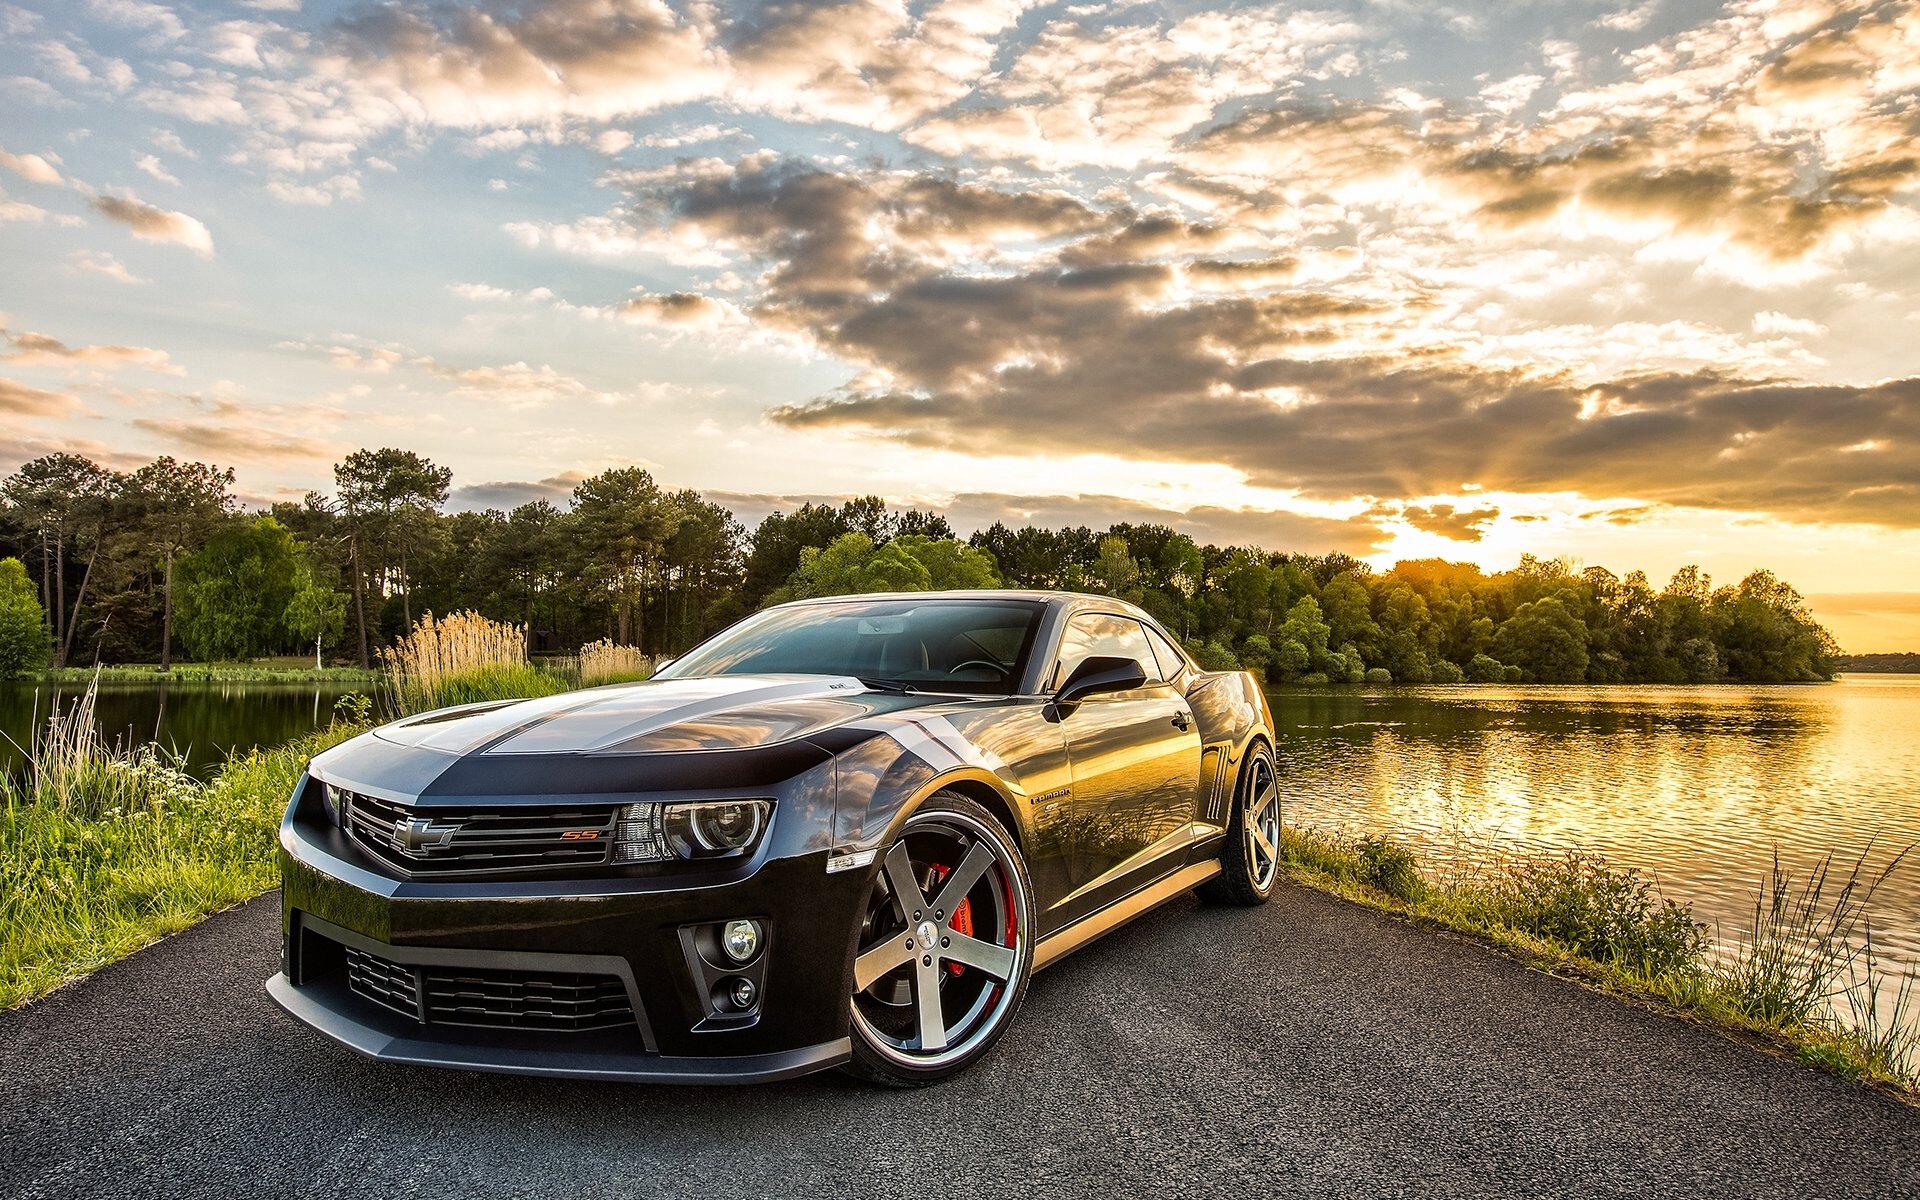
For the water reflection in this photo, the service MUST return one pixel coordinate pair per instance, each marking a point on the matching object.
(203, 721)
(1695, 784)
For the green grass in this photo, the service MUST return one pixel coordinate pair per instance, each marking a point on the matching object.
(1786, 982)
(274, 670)
(127, 848)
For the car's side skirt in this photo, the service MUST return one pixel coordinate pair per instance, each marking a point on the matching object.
(1058, 945)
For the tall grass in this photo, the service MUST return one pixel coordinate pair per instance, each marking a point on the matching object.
(606, 661)
(103, 849)
(462, 659)
(1805, 971)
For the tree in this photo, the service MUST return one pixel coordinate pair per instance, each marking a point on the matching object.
(314, 610)
(23, 623)
(1547, 643)
(389, 498)
(1768, 634)
(852, 565)
(65, 499)
(176, 504)
(1300, 645)
(235, 591)
(1115, 572)
(1349, 613)
(623, 521)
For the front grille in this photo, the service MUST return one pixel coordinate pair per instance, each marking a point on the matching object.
(383, 982)
(427, 841)
(552, 1001)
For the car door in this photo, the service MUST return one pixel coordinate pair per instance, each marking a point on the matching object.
(1134, 758)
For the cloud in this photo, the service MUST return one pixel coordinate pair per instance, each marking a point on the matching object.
(1449, 522)
(31, 167)
(237, 441)
(39, 350)
(138, 14)
(152, 224)
(151, 165)
(467, 67)
(520, 386)
(19, 400)
(511, 494)
(686, 310)
(1290, 385)
(20, 210)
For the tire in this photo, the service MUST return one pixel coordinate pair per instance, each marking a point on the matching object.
(927, 1012)
(1250, 857)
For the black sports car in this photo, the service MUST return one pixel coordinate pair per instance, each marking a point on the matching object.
(842, 832)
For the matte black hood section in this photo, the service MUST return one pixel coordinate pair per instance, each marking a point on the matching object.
(721, 733)
(719, 712)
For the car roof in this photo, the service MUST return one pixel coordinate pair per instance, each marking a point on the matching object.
(1055, 599)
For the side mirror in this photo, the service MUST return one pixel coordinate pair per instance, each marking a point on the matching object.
(1101, 673)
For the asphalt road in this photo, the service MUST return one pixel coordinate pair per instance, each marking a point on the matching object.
(1312, 1047)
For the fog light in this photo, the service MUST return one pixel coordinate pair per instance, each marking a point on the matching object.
(742, 993)
(741, 940)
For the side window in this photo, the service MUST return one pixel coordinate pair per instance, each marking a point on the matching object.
(1171, 660)
(1091, 634)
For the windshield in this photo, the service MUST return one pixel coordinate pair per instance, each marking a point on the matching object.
(929, 645)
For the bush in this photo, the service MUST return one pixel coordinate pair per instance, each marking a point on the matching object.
(1212, 656)
(1314, 677)
(1608, 915)
(1447, 672)
(1485, 669)
(25, 644)
(1391, 867)
(1379, 675)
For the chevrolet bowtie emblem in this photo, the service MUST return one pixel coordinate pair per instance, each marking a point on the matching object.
(419, 835)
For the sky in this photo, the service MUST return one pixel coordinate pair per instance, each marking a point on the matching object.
(1636, 284)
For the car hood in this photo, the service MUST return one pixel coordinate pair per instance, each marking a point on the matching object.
(721, 712)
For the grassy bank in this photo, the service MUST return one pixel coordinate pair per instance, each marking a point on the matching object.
(277, 670)
(103, 851)
(1784, 981)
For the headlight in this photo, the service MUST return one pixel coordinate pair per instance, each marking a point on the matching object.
(703, 830)
(715, 830)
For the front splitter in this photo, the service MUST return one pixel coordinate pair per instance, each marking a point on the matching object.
(628, 1067)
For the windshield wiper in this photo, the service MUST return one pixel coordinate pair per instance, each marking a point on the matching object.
(888, 685)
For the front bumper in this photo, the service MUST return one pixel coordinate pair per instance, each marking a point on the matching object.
(636, 931)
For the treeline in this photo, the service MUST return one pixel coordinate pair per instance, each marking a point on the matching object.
(127, 565)
(1882, 664)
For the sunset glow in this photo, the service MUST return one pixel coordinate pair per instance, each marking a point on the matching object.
(1636, 284)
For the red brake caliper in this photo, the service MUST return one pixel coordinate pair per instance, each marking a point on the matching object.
(962, 914)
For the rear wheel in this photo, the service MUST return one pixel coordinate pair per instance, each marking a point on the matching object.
(944, 946)
(1250, 859)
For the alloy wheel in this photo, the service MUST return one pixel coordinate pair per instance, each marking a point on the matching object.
(1262, 823)
(943, 942)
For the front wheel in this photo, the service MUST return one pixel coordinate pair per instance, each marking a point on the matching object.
(1250, 859)
(944, 946)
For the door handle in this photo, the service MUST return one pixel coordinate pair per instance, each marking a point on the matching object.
(1180, 722)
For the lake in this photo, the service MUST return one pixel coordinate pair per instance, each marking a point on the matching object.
(1695, 785)
(203, 721)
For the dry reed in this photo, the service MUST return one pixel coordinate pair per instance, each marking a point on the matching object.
(606, 661)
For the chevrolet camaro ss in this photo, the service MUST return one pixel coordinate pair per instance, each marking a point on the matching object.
(842, 832)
